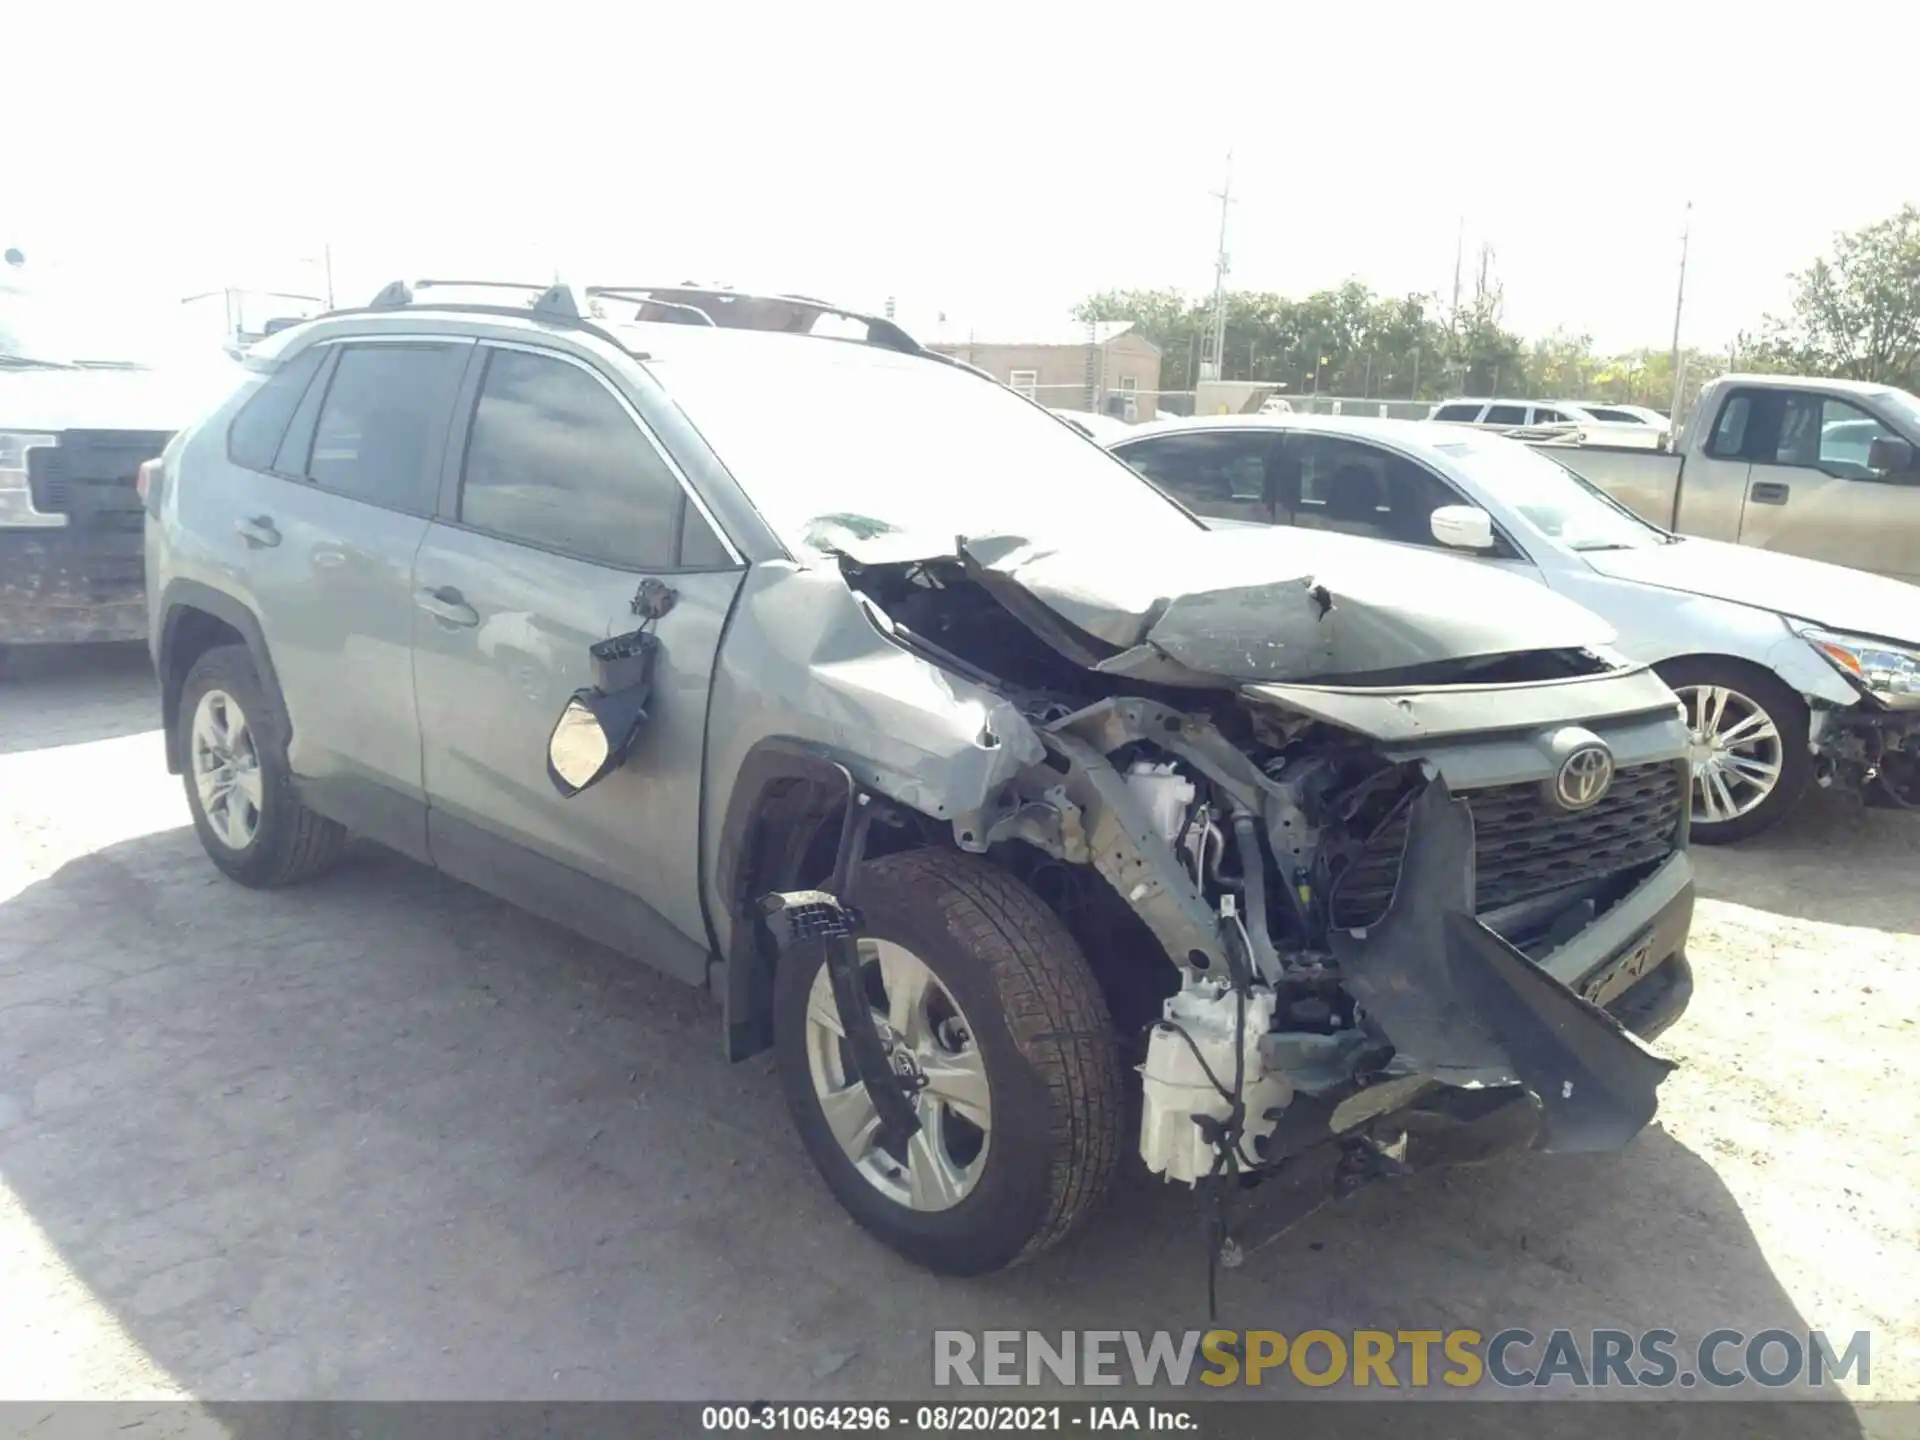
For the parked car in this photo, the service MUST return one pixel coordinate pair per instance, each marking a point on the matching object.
(1791, 671)
(1495, 414)
(1565, 419)
(966, 770)
(83, 402)
(1609, 413)
(1821, 468)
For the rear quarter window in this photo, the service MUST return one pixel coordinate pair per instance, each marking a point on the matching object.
(254, 436)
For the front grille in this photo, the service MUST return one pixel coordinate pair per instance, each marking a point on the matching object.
(89, 476)
(1524, 846)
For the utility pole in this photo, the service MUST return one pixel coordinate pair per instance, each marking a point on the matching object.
(326, 260)
(1453, 315)
(1679, 301)
(1459, 246)
(1216, 368)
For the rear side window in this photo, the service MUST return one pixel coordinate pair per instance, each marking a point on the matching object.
(1222, 475)
(255, 433)
(1506, 415)
(1467, 413)
(1544, 416)
(376, 436)
(1730, 430)
(555, 460)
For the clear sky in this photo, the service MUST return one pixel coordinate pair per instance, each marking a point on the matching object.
(993, 162)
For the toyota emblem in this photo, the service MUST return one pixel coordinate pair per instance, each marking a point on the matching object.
(1584, 777)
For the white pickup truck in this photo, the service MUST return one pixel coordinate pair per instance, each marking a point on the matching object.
(1820, 468)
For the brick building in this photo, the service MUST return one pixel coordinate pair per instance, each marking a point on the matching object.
(1107, 366)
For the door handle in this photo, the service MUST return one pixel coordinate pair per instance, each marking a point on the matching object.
(258, 531)
(446, 605)
(1768, 492)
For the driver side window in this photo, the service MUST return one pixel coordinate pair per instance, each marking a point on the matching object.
(1356, 489)
(1821, 433)
(553, 460)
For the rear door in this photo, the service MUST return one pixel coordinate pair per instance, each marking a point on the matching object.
(559, 504)
(325, 533)
(1811, 492)
(1715, 475)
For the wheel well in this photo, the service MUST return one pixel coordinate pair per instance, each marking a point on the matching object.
(1767, 678)
(190, 634)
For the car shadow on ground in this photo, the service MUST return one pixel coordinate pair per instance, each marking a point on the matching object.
(1832, 860)
(383, 1136)
(107, 690)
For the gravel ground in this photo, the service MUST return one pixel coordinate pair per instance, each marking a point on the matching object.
(386, 1136)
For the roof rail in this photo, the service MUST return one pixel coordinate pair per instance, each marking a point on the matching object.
(555, 301)
(745, 310)
(685, 303)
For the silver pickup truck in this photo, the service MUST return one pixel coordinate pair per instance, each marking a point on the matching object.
(1820, 468)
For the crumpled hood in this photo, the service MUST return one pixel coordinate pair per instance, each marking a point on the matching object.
(171, 399)
(1188, 606)
(1828, 595)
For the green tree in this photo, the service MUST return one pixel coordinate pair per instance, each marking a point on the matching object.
(1856, 313)
(1166, 317)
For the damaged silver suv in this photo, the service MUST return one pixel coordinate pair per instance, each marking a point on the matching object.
(1027, 820)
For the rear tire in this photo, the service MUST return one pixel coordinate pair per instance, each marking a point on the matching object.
(233, 741)
(1035, 1024)
(1745, 721)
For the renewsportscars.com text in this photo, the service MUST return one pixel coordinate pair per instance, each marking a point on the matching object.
(1413, 1359)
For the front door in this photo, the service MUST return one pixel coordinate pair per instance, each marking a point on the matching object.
(565, 505)
(1811, 492)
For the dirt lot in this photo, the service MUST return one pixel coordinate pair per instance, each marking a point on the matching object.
(385, 1136)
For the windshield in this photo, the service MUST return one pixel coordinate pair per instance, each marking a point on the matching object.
(1556, 501)
(46, 328)
(880, 443)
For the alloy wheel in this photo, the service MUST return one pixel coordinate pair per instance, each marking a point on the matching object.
(226, 769)
(1735, 750)
(927, 1039)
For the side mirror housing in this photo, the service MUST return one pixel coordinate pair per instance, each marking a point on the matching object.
(1890, 456)
(1462, 527)
(597, 729)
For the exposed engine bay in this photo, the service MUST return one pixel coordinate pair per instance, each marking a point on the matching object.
(1278, 878)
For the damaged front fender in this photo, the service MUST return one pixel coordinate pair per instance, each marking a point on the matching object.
(1463, 1007)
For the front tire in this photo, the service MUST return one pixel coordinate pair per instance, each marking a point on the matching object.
(979, 988)
(1751, 763)
(233, 741)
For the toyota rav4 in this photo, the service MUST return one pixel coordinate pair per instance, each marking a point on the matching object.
(1022, 816)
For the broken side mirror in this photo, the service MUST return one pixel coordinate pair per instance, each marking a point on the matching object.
(1888, 455)
(597, 730)
(1463, 527)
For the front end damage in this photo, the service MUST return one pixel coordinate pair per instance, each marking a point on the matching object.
(1363, 880)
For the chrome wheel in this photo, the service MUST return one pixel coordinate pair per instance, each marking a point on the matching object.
(927, 1039)
(1735, 750)
(226, 769)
